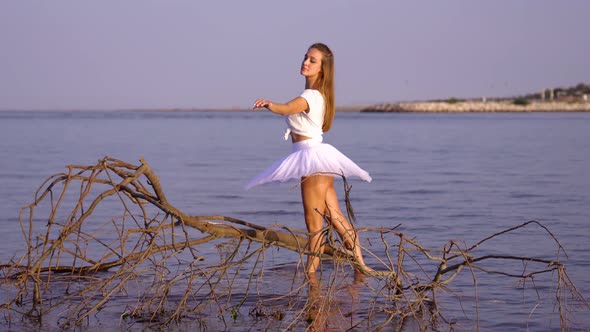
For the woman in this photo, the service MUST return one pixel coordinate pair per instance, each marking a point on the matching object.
(315, 163)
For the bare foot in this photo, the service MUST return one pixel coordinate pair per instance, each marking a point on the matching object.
(366, 270)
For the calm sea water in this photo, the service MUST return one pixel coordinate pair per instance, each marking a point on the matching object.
(441, 176)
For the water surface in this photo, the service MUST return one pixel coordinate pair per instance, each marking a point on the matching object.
(441, 176)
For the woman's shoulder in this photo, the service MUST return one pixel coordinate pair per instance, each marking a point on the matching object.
(312, 91)
(312, 94)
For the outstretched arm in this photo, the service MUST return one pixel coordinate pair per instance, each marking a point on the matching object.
(296, 105)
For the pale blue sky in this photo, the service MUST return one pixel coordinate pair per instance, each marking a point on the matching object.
(126, 54)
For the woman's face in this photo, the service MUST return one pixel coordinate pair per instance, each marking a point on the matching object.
(312, 63)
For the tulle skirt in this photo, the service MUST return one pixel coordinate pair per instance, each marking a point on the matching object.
(310, 157)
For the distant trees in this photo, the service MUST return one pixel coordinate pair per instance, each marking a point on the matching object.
(521, 101)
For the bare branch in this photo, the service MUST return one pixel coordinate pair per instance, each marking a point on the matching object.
(77, 263)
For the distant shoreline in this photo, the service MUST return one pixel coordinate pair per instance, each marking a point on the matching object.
(478, 106)
(570, 99)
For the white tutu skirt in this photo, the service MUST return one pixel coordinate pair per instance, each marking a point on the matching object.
(310, 157)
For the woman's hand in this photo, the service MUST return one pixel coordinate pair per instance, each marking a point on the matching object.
(262, 103)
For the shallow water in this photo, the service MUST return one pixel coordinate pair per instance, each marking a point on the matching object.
(441, 176)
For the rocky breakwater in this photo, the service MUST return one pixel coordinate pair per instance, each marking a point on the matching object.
(481, 106)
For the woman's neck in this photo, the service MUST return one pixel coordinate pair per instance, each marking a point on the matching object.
(310, 82)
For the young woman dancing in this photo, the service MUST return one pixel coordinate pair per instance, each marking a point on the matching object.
(315, 163)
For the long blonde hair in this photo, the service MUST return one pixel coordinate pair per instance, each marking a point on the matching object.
(325, 84)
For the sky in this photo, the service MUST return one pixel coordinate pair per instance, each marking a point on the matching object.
(148, 54)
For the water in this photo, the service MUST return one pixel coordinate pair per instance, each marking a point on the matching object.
(441, 176)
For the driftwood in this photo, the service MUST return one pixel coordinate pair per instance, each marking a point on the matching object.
(146, 264)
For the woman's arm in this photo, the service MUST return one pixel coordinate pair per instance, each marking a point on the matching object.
(296, 105)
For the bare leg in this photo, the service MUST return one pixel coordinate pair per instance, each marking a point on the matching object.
(313, 195)
(319, 197)
(344, 228)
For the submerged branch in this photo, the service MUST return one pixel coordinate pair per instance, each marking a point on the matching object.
(151, 244)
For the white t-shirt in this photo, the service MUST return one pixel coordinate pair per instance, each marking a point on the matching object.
(309, 124)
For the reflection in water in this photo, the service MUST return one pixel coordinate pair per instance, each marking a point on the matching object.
(331, 308)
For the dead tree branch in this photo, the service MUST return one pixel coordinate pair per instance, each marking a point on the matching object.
(80, 260)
